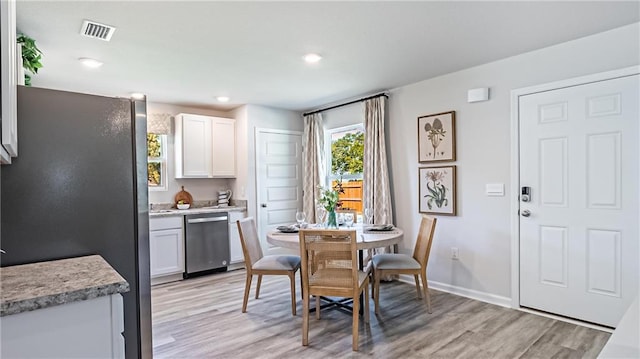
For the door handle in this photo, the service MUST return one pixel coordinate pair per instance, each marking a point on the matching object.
(525, 213)
(263, 205)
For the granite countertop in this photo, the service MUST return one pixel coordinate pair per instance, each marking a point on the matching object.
(182, 212)
(40, 285)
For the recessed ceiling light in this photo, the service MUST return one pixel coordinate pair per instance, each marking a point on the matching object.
(137, 96)
(312, 58)
(222, 98)
(92, 63)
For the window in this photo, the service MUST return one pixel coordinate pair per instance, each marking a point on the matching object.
(156, 162)
(345, 149)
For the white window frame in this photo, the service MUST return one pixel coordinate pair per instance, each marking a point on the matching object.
(163, 164)
(327, 150)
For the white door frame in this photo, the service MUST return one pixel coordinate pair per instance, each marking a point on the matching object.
(257, 133)
(515, 159)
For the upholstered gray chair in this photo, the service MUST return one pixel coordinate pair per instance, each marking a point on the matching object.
(258, 264)
(392, 263)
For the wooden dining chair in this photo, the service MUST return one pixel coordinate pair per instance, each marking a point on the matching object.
(393, 263)
(258, 264)
(328, 280)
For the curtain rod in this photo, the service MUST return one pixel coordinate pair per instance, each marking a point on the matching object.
(346, 103)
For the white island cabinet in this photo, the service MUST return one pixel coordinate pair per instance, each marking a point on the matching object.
(205, 146)
(70, 308)
(166, 246)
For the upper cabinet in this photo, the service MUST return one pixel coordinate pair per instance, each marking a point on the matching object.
(10, 61)
(205, 146)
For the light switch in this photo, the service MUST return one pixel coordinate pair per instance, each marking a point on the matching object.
(494, 189)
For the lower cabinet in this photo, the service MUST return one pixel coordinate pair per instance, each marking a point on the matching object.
(83, 329)
(235, 247)
(166, 244)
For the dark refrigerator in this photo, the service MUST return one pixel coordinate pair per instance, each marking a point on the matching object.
(79, 187)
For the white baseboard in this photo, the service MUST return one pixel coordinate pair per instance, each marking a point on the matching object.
(464, 292)
(498, 300)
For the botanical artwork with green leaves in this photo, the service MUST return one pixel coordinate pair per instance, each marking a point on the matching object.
(437, 190)
(436, 137)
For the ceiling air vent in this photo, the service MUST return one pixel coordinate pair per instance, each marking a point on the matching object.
(96, 30)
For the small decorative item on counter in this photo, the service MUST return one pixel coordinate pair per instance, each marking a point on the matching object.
(183, 198)
(183, 205)
(224, 197)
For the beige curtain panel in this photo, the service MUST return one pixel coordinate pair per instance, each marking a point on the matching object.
(313, 163)
(377, 194)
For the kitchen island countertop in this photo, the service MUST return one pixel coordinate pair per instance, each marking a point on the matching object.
(40, 285)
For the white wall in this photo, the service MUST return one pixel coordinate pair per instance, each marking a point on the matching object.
(481, 230)
(248, 118)
(343, 116)
(200, 188)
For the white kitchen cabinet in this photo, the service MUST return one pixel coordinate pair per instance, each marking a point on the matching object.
(205, 147)
(224, 147)
(9, 80)
(83, 329)
(166, 244)
(235, 247)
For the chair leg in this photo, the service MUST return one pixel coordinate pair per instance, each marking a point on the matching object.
(372, 281)
(318, 307)
(258, 286)
(426, 291)
(415, 276)
(305, 320)
(376, 285)
(292, 278)
(301, 286)
(247, 287)
(366, 301)
(356, 316)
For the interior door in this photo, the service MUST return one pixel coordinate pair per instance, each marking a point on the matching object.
(579, 227)
(279, 180)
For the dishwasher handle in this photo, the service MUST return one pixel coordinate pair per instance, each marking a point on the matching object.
(207, 219)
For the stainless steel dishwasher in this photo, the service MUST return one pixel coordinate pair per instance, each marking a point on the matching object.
(207, 242)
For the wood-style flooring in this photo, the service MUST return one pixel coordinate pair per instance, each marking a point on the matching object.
(202, 318)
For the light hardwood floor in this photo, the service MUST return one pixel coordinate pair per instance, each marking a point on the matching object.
(201, 318)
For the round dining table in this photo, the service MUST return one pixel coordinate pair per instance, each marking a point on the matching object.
(366, 239)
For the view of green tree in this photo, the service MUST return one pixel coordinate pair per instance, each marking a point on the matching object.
(347, 153)
(154, 145)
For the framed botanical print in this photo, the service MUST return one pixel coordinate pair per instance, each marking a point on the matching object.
(437, 190)
(437, 137)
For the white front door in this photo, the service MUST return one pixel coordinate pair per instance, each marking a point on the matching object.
(579, 231)
(279, 180)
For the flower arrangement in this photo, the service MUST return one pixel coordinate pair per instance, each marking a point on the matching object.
(328, 198)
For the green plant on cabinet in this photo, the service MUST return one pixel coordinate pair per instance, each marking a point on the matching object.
(31, 56)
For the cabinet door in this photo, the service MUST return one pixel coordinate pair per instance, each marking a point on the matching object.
(235, 247)
(167, 252)
(224, 147)
(193, 146)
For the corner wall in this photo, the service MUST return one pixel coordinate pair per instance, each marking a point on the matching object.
(481, 230)
(248, 119)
